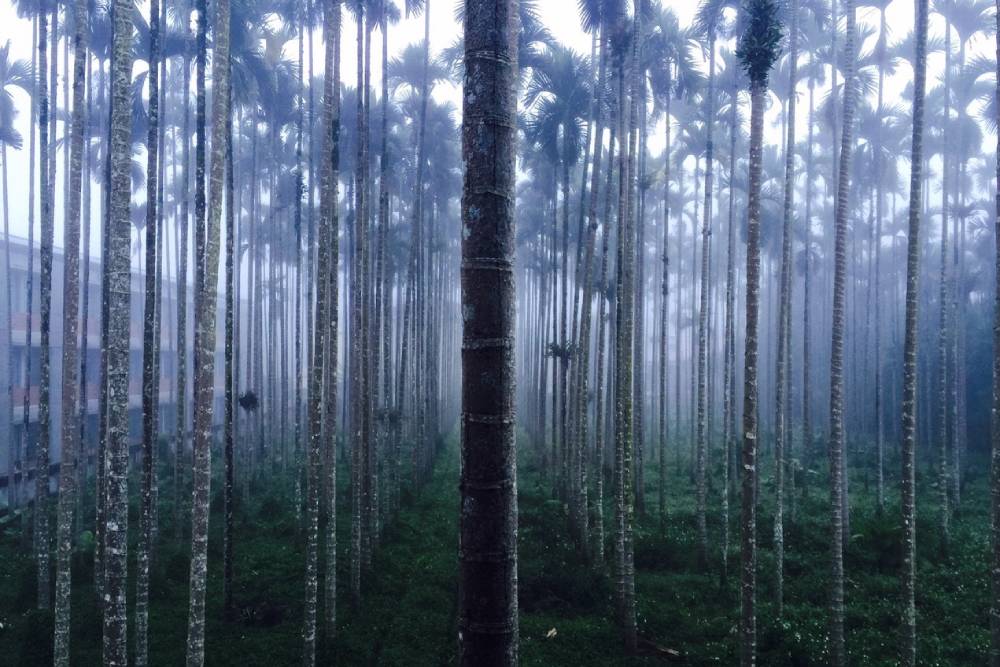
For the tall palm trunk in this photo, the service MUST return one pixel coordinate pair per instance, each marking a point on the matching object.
(879, 212)
(118, 298)
(70, 383)
(664, 303)
(231, 366)
(908, 655)
(180, 434)
(784, 316)
(838, 496)
(205, 334)
(488, 625)
(701, 453)
(46, 190)
(329, 424)
(944, 298)
(729, 336)
(322, 367)
(807, 433)
(758, 49)
(748, 518)
(624, 451)
(150, 391)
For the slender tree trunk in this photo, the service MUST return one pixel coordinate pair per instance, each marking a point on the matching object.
(943, 408)
(118, 298)
(205, 333)
(46, 190)
(624, 452)
(182, 285)
(70, 383)
(321, 367)
(329, 425)
(838, 654)
(150, 392)
(748, 518)
(701, 493)
(908, 652)
(488, 618)
(664, 302)
(784, 318)
(231, 367)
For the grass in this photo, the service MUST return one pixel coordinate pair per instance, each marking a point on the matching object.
(408, 614)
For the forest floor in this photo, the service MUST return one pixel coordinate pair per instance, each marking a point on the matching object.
(408, 613)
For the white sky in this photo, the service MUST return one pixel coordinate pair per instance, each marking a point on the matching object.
(560, 16)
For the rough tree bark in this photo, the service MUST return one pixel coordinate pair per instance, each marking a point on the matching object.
(46, 187)
(70, 381)
(118, 298)
(908, 652)
(758, 49)
(205, 332)
(838, 500)
(488, 624)
(150, 388)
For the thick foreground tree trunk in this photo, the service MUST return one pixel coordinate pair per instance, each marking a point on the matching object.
(487, 625)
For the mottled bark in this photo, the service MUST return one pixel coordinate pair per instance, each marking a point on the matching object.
(943, 404)
(46, 187)
(70, 382)
(748, 469)
(180, 427)
(701, 453)
(329, 432)
(908, 648)
(150, 389)
(784, 316)
(624, 452)
(205, 333)
(838, 496)
(488, 617)
(664, 303)
(118, 298)
(231, 367)
(321, 367)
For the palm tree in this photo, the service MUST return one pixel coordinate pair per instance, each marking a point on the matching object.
(329, 423)
(707, 21)
(758, 50)
(70, 383)
(205, 333)
(627, 47)
(488, 627)
(326, 312)
(733, 80)
(46, 190)
(944, 322)
(837, 472)
(784, 311)
(118, 297)
(150, 334)
(909, 407)
(183, 223)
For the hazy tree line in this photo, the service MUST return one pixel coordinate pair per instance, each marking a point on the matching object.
(674, 218)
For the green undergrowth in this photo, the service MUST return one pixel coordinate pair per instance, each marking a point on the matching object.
(409, 607)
